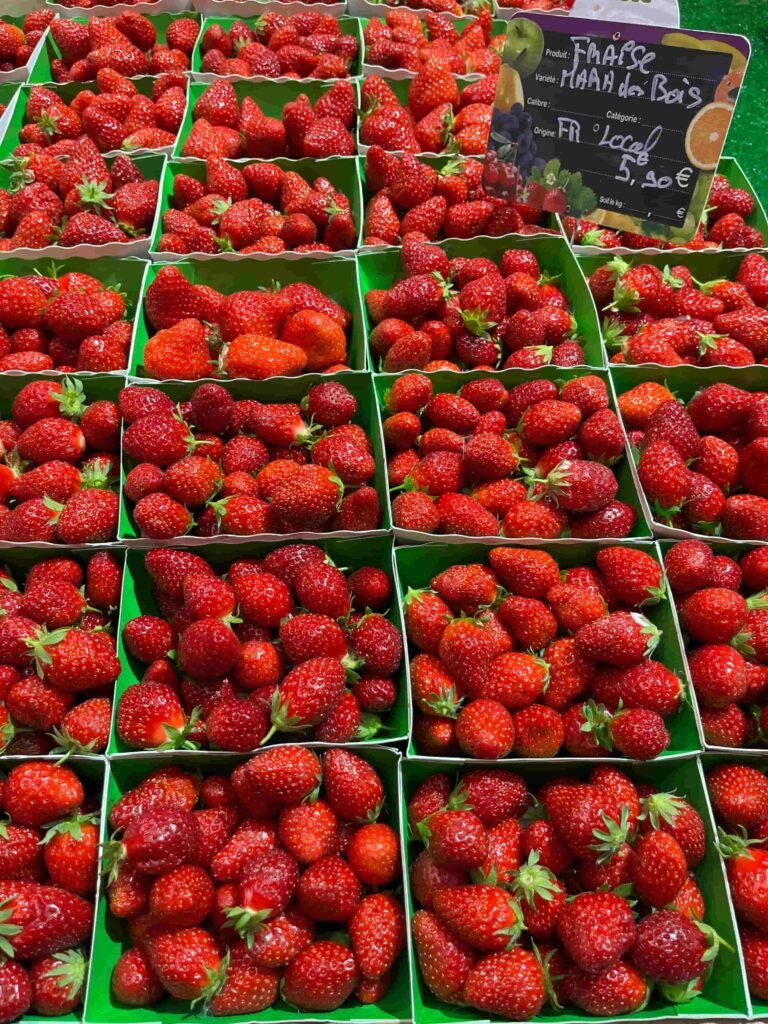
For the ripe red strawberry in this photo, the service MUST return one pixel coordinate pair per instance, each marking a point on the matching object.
(321, 977)
(596, 930)
(45, 918)
(377, 934)
(510, 984)
(659, 868)
(670, 947)
(444, 960)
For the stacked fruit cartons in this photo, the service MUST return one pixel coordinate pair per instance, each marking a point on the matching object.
(384, 606)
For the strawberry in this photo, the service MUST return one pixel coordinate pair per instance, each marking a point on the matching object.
(671, 948)
(377, 934)
(444, 960)
(510, 984)
(45, 919)
(596, 930)
(321, 977)
(187, 962)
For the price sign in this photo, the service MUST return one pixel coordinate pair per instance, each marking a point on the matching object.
(620, 124)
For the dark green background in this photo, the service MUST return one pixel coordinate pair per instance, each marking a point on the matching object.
(746, 139)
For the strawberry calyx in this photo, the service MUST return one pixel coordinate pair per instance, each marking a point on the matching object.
(597, 720)
(7, 731)
(96, 475)
(618, 265)
(650, 630)
(533, 880)
(666, 515)
(613, 335)
(743, 643)
(7, 929)
(625, 299)
(38, 645)
(282, 719)
(476, 322)
(714, 942)
(351, 664)
(47, 121)
(93, 193)
(684, 993)
(661, 807)
(69, 971)
(216, 977)
(707, 341)
(612, 838)
(178, 739)
(248, 923)
(709, 286)
(69, 826)
(669, 278)
(549, 980)
(758, 600)
(71, 399)
(593, 237)
(370, 725)
(66, 744)
(735, 844)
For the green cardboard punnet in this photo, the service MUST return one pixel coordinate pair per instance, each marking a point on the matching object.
(41, 69)
(138, 599)
(348, 26)
(383, 269)
(724, 995)
(447, 380)
(279, 389)
(417, 565)
(112, 937)
(335, 277)
(342, 173)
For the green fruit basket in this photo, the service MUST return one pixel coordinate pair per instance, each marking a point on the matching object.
(126, 275)
(348, 26)
(9, 139)
(724, 995)
(138, 599)
(41, 73)
(758, 1008)
(20, 560)
(399, 87)
(342, 173)
(684, 382)
(449, 381)
(440, 163)
(22, 74)
(736, 550)
(151, 168)
(382, 269)
(285, 389)
(270, 95)
(95, 388)
(707, 265)
(112, 939)
(497, 28)
(334, 277)
(416, 566)
(92, 772)
(732, 169)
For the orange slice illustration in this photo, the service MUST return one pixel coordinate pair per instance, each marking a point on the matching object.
(706, 135)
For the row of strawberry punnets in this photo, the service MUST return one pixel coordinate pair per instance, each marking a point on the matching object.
(513, 651)
(453, 953)
(523, 456)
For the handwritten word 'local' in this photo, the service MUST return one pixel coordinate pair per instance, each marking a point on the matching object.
(626, 70)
